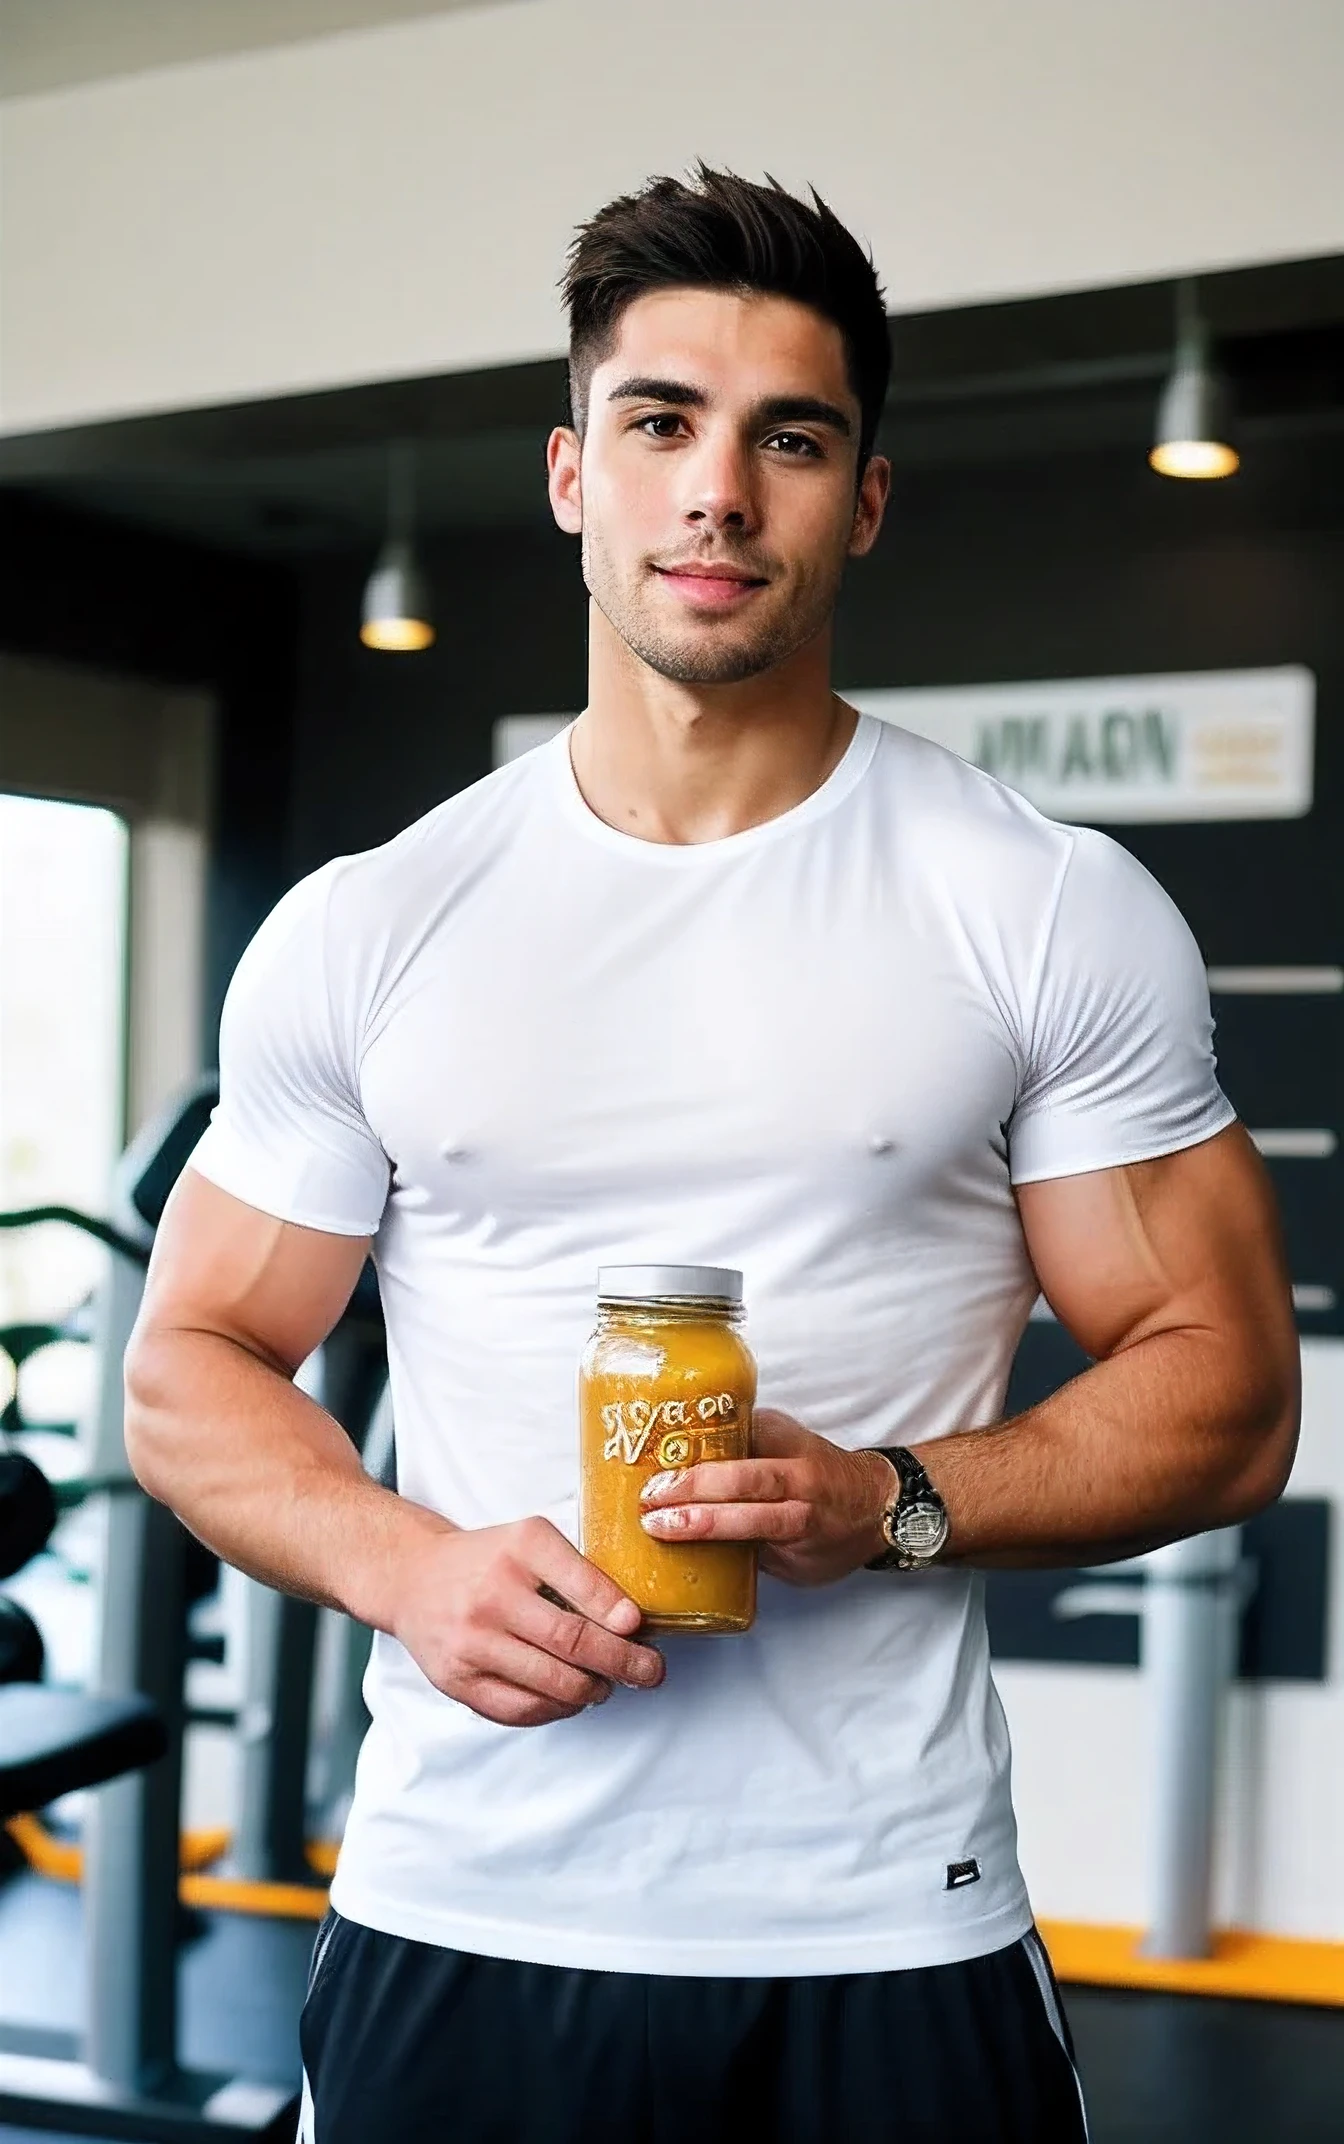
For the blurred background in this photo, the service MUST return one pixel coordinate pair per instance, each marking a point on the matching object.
(277, 291)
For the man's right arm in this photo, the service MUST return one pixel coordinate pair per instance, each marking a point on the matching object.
(216, 1428)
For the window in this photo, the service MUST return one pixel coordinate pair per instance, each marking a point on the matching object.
(63, 915)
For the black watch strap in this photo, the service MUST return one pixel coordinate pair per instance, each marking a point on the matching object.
(915, 1484)
(915, 1488)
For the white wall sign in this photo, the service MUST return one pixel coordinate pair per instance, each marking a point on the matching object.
(1204, 744)
(516, 734)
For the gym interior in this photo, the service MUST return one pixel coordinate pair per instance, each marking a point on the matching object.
(278, 292)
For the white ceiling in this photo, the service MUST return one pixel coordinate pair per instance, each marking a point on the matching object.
(50, 44)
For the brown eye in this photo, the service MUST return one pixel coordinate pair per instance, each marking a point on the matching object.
(797, 445)
(667, 417)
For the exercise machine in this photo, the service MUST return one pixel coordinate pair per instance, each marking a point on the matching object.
(123, 2076)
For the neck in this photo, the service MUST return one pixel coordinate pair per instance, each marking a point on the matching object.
(690, 763)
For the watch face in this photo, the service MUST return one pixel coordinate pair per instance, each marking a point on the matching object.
(921, 1529)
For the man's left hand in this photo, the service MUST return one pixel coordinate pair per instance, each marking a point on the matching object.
(813, 1507)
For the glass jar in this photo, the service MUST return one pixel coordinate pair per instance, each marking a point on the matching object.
(666, 1382)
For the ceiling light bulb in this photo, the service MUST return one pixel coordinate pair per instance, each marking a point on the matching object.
(396, 608)
(1195, 458)
(395, 612)
(1193, 418)
(397, 635)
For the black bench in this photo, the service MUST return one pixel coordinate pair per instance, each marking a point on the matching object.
(52, 1741)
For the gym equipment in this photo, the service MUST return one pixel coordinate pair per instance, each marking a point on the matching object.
(30, 1505)
(54, 1741)
(1189, 1609)
(348, 1646)
(272, 1865)
(51, 1743)
(347, 1376)
(124, 2077)
(21, 1342)
(22, 1653)
(1195, 1593)
(27, 1511)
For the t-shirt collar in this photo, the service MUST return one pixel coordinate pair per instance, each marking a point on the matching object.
(842, 779)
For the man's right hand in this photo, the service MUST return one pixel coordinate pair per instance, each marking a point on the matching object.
(235, 1300)
(473, 1616)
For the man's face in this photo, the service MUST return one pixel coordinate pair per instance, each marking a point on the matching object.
(715, 484)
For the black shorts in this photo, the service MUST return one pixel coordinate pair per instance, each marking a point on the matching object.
(404, 2043)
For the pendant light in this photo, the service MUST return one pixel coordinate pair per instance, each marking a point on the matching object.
(1193, 418)
(395, 610)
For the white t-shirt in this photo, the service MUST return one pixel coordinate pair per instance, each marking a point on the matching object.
(514, 1044)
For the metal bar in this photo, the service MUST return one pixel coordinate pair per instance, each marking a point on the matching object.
(88, 1224)
(273, 1725)
(1276, 982)
(1191, 1604)
(1301, 1145)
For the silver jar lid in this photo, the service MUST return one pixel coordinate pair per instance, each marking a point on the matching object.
(648, 1284)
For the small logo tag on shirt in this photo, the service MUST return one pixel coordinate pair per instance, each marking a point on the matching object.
(960, 1873)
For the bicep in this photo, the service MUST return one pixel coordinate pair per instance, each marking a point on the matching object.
(1191, 1241)
(224, 1267)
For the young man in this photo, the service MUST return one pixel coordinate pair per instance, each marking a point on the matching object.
(726, 974)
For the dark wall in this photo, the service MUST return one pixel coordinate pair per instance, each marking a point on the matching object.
(1070, 565)
(80, 590)
(1091, 566)
(380, 738)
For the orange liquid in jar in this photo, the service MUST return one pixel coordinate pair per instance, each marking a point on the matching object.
(665, 1384)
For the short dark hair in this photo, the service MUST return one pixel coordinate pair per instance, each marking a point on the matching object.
(721, 232)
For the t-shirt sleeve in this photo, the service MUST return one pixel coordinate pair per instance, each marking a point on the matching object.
(289, 1135)
(1119, 1046)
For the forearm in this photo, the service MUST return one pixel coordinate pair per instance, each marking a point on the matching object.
(1159, 1441)
(263, 1475)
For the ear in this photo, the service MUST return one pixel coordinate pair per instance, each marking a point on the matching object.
(870, 506)
(564, 480)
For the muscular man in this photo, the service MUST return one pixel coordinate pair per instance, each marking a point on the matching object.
(726, 974)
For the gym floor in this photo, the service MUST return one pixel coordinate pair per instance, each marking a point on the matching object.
(1158, 2069)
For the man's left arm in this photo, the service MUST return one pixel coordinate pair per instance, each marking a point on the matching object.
(1171, 1273)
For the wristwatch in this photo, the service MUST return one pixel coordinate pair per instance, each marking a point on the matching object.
(915, 1522)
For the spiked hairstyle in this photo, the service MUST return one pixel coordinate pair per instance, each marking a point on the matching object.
(721, 232)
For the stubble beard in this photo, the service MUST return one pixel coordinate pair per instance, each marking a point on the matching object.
(714, 653)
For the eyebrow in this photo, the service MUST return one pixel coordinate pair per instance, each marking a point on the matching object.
(803, 409)
(643, 388)
(776, 409)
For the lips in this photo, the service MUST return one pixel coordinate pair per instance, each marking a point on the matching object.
(709, 587)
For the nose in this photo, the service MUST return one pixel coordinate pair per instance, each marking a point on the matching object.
(720, 489)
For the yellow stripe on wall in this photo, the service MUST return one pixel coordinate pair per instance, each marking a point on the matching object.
(241, 1894)
(1277, 1969)
(63, 1861)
